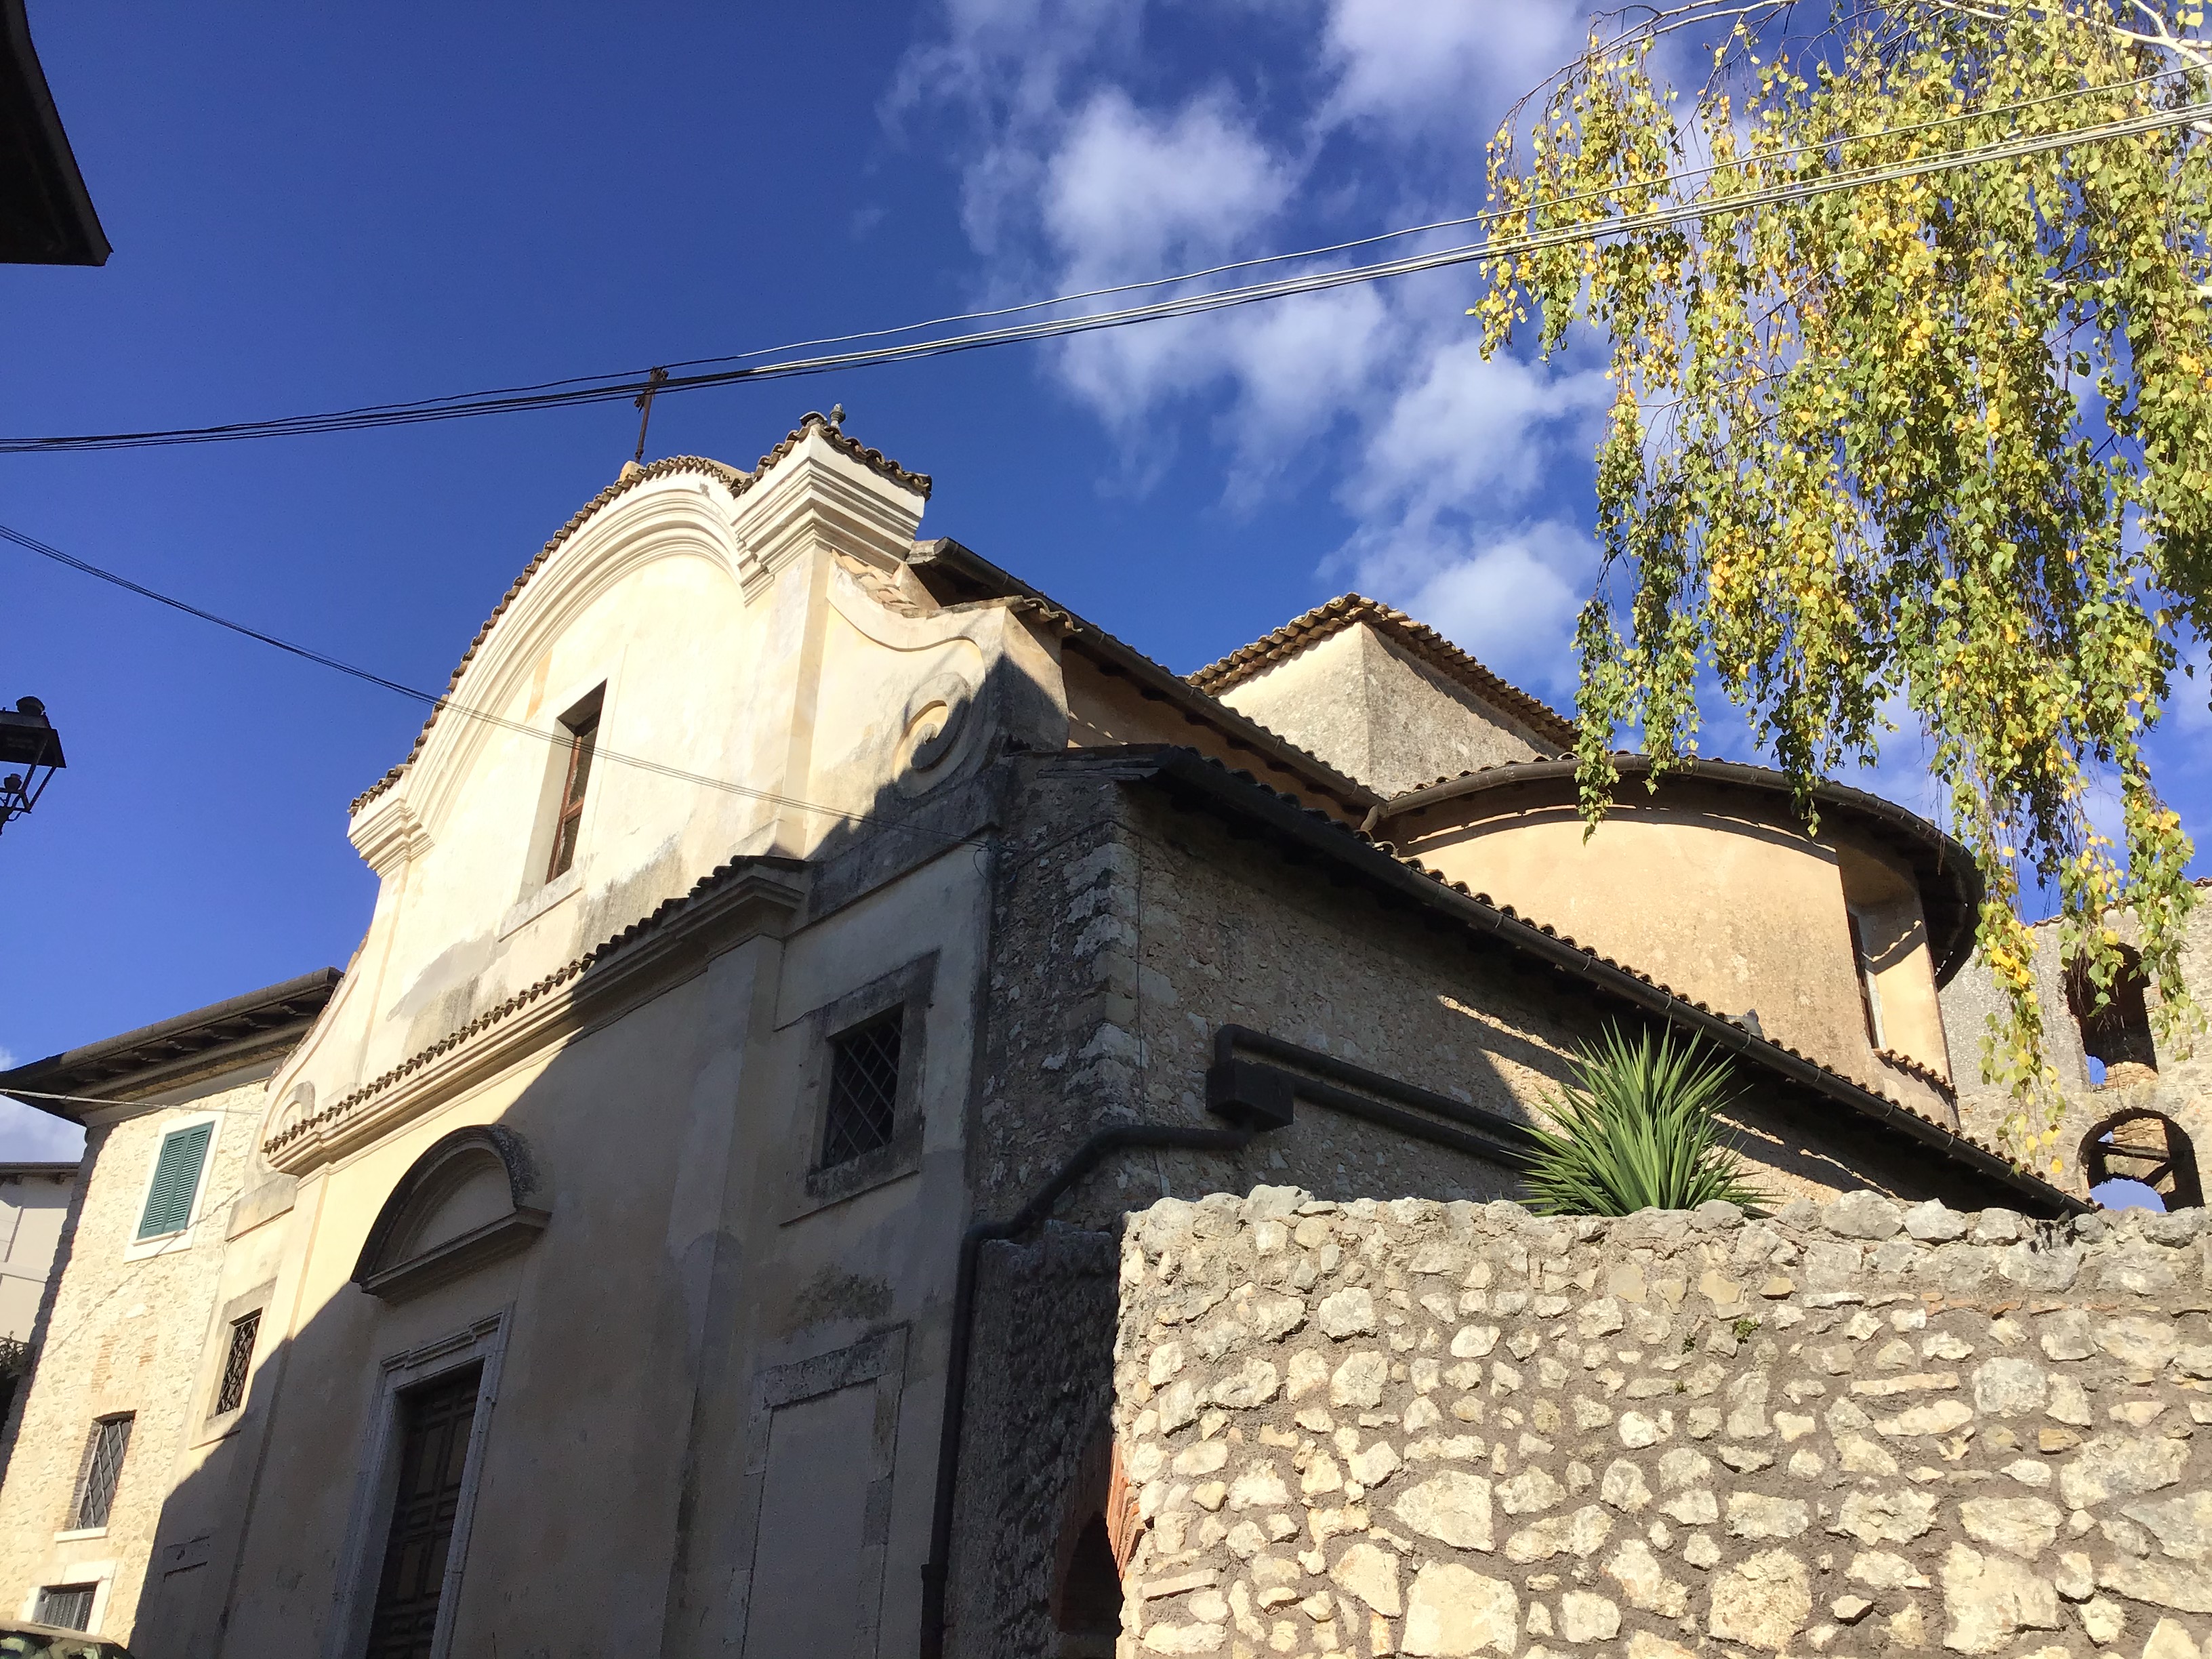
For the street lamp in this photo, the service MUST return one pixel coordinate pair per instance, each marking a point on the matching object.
(27, 741)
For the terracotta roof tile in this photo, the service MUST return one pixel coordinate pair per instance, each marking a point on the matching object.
(1418, 638)
(737, 483)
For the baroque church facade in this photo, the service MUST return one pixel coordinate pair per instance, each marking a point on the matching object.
(689, 1223)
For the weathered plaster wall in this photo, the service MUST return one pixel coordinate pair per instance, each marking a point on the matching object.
(121, 1334)
(1713, 891)
(1370, 710)
(2182, 1089)
(1451, 1429)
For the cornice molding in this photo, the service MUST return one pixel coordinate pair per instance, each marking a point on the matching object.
(676, 941)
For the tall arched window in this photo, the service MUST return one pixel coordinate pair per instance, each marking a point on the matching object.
(2124, 1155)
(2118, 1034)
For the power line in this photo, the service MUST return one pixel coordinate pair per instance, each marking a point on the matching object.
(588, 390)
(447, 705)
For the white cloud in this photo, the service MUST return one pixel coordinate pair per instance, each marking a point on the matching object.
(1129, 193)
(1509, 596)
(1410, 67)
(1469, 431)
(1074, 181)
(30, 1136)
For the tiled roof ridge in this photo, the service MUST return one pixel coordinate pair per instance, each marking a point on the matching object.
(652, 921)
(1928, 1074)
(1432, 648)
(1508, 913)
(738, 483)
(1326, 777)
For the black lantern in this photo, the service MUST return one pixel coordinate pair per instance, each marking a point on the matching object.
(30, 753)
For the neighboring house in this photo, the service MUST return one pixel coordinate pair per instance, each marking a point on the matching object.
(137, 1373)
(784, 919)
(34, 1199)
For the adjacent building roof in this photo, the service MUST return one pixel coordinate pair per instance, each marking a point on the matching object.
(737, 483)
(956, 575)
(173, 1051)
(1949, 883)
(47, 216)
(1417, 640)
(1183, 772)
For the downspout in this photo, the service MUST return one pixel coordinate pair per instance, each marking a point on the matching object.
(1089, 1156)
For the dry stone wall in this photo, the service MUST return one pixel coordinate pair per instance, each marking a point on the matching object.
(1853, 1428)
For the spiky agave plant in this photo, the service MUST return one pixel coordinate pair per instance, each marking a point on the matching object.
(1638, 1129)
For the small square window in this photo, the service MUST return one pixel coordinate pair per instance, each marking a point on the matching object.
(864, 1074)
(101, 1472)
(66, 1607)
(237, 1362)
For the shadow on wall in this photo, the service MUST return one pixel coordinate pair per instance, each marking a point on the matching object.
(541, 1386)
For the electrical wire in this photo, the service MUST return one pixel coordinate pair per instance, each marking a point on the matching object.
(447, 705)
(584, 391)
(157, 1106)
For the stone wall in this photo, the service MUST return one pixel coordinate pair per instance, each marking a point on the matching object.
(1850, 1429)
(2181, 1088)
(120, 1333)
(1127, 933)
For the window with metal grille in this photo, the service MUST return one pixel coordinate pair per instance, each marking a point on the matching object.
(177, 1173)
(864, 1071)
(583, 727)
(101, 1472)
(66, 1607)
(230, 1394)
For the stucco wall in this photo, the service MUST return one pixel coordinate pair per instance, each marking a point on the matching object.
(1372, 711)
(121, 1336)
(1422, 1429)
(1714, 894)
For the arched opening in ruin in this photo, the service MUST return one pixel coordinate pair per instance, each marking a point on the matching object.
(2140, 1160)
(1097, 1531)
(2119, 1034)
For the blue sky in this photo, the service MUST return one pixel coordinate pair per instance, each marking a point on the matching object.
(313, 207)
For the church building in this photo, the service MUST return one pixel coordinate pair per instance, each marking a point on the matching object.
(688, 1225)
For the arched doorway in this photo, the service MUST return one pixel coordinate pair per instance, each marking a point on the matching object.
(2141, 1150)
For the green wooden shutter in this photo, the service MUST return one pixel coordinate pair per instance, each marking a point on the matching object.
(176, 1182)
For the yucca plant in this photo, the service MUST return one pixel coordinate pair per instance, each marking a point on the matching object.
(1638, 1129)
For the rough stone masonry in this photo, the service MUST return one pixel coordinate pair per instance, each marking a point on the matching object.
(1852, 1428)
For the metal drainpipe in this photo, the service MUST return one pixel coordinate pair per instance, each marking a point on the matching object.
(1093, 1152)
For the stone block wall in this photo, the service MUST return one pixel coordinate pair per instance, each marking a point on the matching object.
(118, 1334)
(1853, 1428)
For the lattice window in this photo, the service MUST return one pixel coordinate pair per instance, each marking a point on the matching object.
(66, 1607)
(237, 1362)
(101, 1472)
(176, 1182)
(863, 1073)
